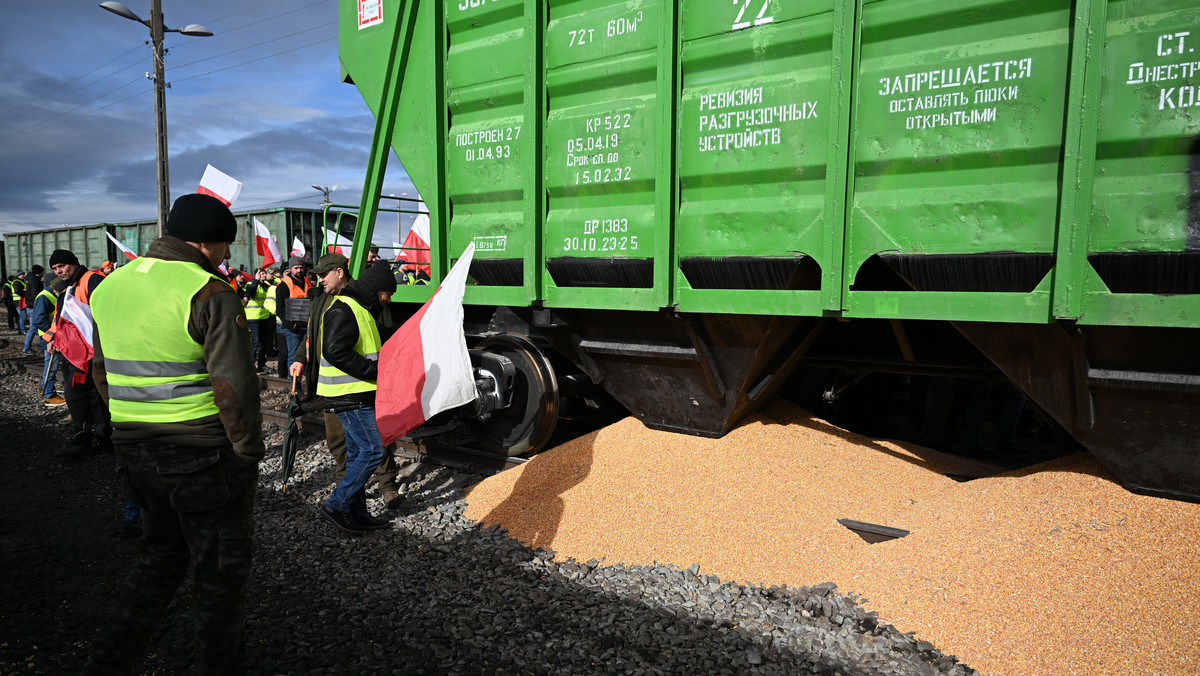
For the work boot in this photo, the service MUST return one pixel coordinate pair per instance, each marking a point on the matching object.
(368, 522)
(55, 401)
(342, 520)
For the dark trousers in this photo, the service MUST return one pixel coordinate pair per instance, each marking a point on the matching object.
(197, 507)
(261, 332)
(88, 411)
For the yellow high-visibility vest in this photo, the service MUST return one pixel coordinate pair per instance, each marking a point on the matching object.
(256, 305)
(156, 371)
(334, 382)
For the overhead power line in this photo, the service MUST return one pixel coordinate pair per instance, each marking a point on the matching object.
(242, 49)
(43, 123)
(17, 107)
(261, 58)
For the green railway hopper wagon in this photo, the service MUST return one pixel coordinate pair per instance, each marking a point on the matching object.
(693, 204)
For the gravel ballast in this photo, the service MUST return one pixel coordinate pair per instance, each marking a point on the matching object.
(437, 594)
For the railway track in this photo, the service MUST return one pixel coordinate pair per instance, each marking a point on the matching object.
(422, 449)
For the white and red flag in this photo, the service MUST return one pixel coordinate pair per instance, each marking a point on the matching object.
(220, 185)
(335, 243)
(416, 244)
(124, 249)
(298, 248)
(73, 331)
(264, 241)
(431, 341)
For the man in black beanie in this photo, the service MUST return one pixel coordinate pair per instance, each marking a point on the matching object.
(296, 287)
(89, 414)
(173, 361)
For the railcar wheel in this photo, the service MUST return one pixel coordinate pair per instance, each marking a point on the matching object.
(527, 423)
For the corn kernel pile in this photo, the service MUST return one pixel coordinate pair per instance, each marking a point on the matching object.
(1053, 569)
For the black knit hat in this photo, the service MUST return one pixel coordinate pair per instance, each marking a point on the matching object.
(201, 218)
(378, 277)
(62, 256)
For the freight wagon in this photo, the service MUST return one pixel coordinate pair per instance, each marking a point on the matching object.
(692, 204)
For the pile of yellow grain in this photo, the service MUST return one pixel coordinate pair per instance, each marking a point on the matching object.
(1051, 570)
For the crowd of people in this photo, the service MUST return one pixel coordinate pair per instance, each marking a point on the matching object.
(169, 385)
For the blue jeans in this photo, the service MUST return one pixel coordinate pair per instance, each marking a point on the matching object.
(293, 342)
(30, 335)
(51, 361)
(23, 320)
(364, 452)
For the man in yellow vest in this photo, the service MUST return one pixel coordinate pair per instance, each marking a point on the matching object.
(349, 367)
(334, 275)
(261, 319)
(172, 358)
(10, 303)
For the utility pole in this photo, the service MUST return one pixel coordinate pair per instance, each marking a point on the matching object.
(160, 115)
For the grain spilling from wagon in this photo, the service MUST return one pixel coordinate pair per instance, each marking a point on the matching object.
(1054, 569)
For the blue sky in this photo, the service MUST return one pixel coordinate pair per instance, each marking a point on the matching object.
(260, 100)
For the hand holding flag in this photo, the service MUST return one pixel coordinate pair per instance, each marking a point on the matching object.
(73, 332)
(432, 340)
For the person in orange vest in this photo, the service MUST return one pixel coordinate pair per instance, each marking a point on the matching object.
(89, 415)
(295, 285)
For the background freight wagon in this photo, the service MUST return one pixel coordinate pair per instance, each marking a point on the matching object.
(92, 246)
(693, 204)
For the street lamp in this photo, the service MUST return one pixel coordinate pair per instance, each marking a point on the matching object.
(324, 189)
(155, 23)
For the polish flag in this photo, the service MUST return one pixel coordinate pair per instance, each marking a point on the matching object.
(416, 245)
(124, 249)
(219, 185)
(264, 241)
(430, 342)
(73, 333)
(335, 243)
(297, 248)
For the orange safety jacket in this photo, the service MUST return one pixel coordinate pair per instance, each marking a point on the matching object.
(295, 291)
